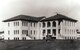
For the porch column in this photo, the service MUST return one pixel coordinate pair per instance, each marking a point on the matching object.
(56, 29)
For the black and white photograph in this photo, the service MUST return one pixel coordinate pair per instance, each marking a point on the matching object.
(39, 24)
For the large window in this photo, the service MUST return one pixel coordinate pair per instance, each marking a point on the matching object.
(16, 31)
(48, 24)
(16, 38)
(34, 24)
(43, 32)
(25, 32)
(43, 24)
(54, 24)
(48, 31)
(8, 24)
(16, 23)
(8, 32)
(23, 38)
(54, 31)
(24, 23)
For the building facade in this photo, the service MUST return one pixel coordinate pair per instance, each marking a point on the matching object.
(24, 27)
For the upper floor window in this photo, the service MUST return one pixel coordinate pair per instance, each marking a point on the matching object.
(24, 23)
(43, 24)
(16, 23)
(54, 24)
(48, 24)
(8, 24)
(34, 24)
(25, 32)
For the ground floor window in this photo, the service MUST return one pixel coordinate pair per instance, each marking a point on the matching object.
(48, 31)
(16, 38)
(8, 38)
(23, 38)
(34, 38)
(54, 31)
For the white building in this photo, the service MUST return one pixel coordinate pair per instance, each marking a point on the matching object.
(24, 27)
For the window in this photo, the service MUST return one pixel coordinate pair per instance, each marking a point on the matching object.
(31, 23)
(25, 32)
(34, 32)
(8, 32)
(8, 24)
(34, 24)
(16, 31)
(54, 24)
(16, 38)
(23, 38)
(16, 23)
(54, 31)
(48, 24)
(43, 32)
(59, 31)
(49, 31)
(31, 32)
(34, 38)
(8, 38)
(43, 24)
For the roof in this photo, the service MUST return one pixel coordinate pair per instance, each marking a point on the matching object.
(25, 17)
(59, 17)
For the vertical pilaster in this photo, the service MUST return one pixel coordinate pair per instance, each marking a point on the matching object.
(51, 26)
(56, 29)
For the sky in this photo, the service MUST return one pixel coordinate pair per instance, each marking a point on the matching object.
(11, 8)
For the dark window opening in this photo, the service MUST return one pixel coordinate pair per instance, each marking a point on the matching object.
(34, 38)
(43, 32)
(48, 31)
(8, 24)
(48, 24)
(54, 31)
(24, 38)
(16, 38)
(43, 24)
(54, 24)
(8, 38)
(59, 31)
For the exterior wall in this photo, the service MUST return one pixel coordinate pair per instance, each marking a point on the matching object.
(68, 30)
(30, 27)
(11, 29)
(35, 30)
(51, 28)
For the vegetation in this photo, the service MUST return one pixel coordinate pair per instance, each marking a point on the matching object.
(40, 45)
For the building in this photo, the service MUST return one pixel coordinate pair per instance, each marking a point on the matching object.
(1, 35)
(23, 27)
(60, 27)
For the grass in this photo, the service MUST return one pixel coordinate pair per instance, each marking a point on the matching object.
(40, 45)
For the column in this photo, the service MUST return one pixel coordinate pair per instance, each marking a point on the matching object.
(56, 29)
(51, 22)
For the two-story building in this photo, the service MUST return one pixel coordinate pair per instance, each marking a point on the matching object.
(23, 27)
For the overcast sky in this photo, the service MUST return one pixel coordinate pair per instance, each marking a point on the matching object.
(11, 8)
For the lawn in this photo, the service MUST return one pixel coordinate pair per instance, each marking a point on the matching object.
(40, 45)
